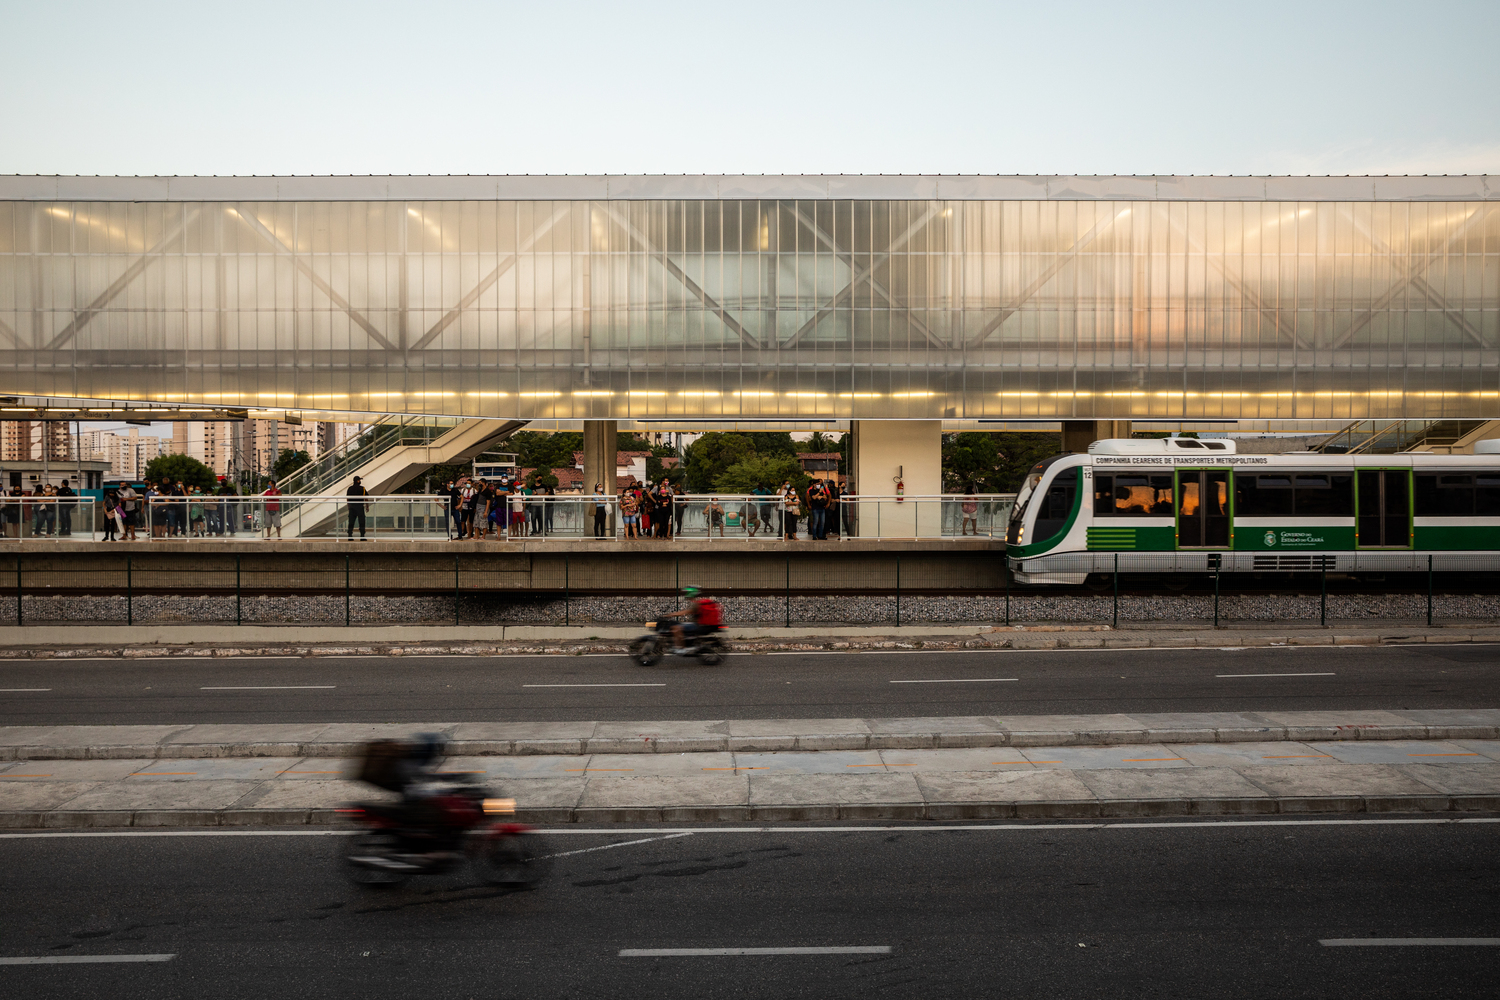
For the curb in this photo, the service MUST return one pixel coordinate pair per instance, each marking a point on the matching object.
(999, 638)
(928, 811)
(771, 744)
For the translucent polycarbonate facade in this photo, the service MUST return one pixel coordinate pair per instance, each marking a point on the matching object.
(789, 308)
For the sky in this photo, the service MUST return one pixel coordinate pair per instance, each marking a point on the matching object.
(767, 87)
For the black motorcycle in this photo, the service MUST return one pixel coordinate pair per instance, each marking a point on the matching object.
(651, 647)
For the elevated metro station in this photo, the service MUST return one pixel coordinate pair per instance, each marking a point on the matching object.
(891, 306)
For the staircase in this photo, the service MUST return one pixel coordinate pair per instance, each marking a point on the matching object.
(387, 456)
(1389, 437)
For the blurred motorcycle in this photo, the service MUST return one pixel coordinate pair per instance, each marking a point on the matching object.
(648, 649)
(452, 821)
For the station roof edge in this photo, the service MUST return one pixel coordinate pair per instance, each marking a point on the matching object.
(771, 187)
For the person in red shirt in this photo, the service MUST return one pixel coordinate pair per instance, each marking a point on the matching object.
(703, 615)
(273, 509)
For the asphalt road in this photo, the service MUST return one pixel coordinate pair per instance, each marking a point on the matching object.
(1167, 911)
(853, 685)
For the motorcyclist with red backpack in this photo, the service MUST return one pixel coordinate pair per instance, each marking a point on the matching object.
(702, 616)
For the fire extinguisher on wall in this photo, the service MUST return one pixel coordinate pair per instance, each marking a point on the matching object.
(900, 488)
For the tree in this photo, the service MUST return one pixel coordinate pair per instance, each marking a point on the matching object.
(656, 472)
(288, 462)
(822, 443)
(542, 477)
(1020, 452)
(971, 460)
(760, 470)
(538, 449)
(773, 443)
(711, 454)
(181, 467)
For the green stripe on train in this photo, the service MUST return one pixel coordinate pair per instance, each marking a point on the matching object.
(1108, 538)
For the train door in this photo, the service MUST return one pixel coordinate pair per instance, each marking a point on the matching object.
(1383, 509)
(1203, 511)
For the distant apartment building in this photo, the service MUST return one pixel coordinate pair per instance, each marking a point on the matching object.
(227, 446)
(127, 451)
(24, 440)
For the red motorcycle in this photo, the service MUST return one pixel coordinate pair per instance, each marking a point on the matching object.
(455, 820)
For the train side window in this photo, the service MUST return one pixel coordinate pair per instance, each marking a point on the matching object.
(1487, 494)
(1324, 495)
(1455, 496)
(1425, 489)
(1104, 495)
(1161, 487)
(1263, 496)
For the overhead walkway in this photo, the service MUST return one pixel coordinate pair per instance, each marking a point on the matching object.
(1389, 437)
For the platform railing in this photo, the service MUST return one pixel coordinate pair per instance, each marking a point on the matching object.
(712, 517)
(25, 519)
(946, 515)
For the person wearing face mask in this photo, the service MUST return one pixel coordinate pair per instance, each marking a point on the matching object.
(601, 510)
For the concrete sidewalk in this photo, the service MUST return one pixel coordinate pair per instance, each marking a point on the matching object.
(1204, 779)
(521, 739)
(131, 641)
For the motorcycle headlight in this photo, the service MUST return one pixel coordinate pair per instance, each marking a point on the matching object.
(499, 807)
(651, 624)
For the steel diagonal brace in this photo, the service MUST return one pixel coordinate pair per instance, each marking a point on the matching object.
(318, 282)
(1414, 277)
(136, 268)
(487, 282)
(682, 276)
(1051, 271)
(857, 276)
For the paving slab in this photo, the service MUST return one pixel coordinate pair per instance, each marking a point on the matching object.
(1456, 779)
(1043, 793)
(1177, 783)
(811, 762)
(977, 759)
(311, 794)
(1392, 751)
(1489, 749)
(657, 792)
(1133, 756)
(1330, 779)
(23, 796)
(806, 790)
(1250, 754)
(65, 770)
(221, 734)
(161, 793)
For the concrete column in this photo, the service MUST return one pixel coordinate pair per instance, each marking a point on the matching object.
(1077, 435)
(599, 440)
(882, 451)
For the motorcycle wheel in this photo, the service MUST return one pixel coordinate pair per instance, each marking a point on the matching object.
(509, 859)
(711, 652)
(646, 651)
(375, 844)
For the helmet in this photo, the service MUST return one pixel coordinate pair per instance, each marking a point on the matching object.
(691, 591)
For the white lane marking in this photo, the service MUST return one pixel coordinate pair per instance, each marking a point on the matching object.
(1323, 673)
(84, 959)
(967, 828)
(607, 847)
(19, 690)
(660, 685)
(1410, 942)
(273, 687)
(879, 949)
(963, 680)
